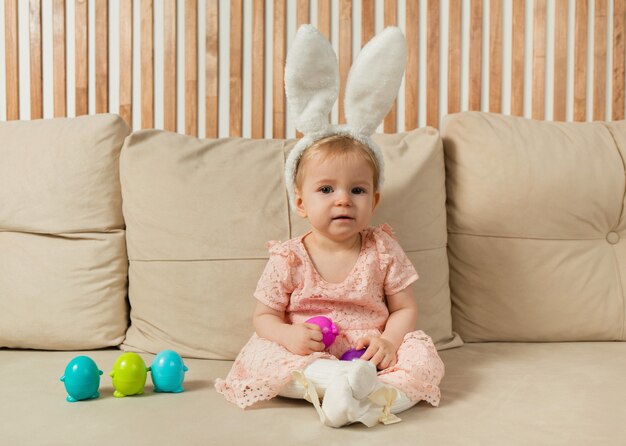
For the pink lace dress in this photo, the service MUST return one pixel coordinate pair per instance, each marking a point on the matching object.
(357, 306)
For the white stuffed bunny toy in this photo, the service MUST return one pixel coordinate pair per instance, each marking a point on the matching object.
(312, 87)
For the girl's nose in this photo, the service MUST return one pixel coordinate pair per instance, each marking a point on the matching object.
(342, 198)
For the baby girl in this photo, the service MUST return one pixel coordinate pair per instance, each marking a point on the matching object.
(344, 269)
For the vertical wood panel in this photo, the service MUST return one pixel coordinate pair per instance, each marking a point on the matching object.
(345, 51)
(539, 59)
(560, 60)
(475, 55)
(212, 69)
(517, 59)
(323, 17)
(432, 69)
(102, 56)
(236, 67)
(258, 65)
(391, 19)
(126, 62)
(58, 58)
(619, 19)
(412, 65)
(169, 65)
(303, 15)
(368, 20)
(580, 61)
(191, 67)
(81, 57)
(454, 56)
(58, 67)
(495, 56)
(280, 49)
(147, 64)
(11, 60)
(599, 61)
(36, 70)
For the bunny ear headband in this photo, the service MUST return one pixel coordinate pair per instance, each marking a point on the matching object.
(312, 87)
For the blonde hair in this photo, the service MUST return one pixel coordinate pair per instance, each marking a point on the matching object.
(333, 147)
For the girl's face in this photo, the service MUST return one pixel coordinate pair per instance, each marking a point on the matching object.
(337, 196)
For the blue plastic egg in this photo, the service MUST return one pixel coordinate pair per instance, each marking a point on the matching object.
(168, 372)
(81, 379)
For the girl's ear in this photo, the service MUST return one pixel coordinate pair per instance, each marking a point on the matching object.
(299, 204)
(311, 80)
(376, 200)
(374, 80)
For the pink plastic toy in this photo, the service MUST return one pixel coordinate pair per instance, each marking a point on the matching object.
(329, 330)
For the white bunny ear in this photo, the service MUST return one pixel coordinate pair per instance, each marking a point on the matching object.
(374, 80)
(311, 79)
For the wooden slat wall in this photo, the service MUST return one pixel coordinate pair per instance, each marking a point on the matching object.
(412, 63)
(495, 56)
(147, 63)
(81, 57)
(599, 60)
(475, 55)
(236, 67)
(169, 65)
(58, 58)
(211, 69)
(454, 57)
(517, 62)
(102, 56)
(191, 67)
(126, 62)
(11, 60)
(432, 67)
(477, 80)
(580, 61)
(619, 66)
(280, 54)
(36, 67)
(539, 59)
(258, 63)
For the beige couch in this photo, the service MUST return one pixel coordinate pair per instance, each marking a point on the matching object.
(154, 240)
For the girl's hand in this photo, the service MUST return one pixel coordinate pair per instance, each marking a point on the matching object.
(304, 339)
(380, 351)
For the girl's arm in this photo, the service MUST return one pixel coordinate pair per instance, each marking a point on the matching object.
(382, 351)
(301, 339)
(402, 316)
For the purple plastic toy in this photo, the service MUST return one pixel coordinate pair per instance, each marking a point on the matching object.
(329, 330)
(352, 354)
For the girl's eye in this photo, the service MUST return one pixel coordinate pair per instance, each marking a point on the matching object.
(358, 190)
(326, 189)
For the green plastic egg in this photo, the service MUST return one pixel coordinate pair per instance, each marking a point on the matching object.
(129, 375)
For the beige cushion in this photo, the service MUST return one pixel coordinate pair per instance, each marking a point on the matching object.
(199, 214)
(493, 394)
(63, 264)
(536, 228)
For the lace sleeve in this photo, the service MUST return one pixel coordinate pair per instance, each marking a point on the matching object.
(399, 271)
(275, 285)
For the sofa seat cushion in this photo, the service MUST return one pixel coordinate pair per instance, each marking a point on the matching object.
(492, 394)
(63, 264)
(537, 231)
(199, 213)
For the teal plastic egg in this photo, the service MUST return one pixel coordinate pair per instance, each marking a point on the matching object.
(81, 379)
(168, 372)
